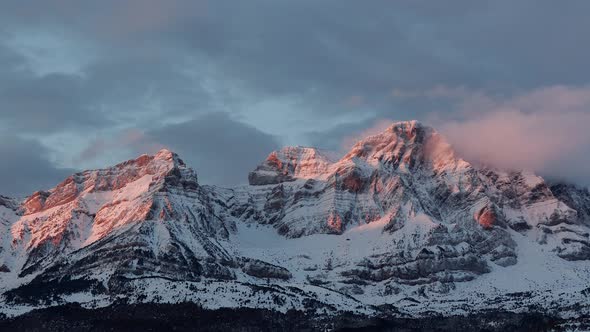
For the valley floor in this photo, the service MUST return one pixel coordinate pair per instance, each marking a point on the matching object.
(190, 317)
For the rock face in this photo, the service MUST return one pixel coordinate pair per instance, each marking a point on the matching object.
(449, 219)
(144, 216)
(408, 180)
(572, 228)
(574, 197)
(408, 167)
(289, 164)
(400, 215)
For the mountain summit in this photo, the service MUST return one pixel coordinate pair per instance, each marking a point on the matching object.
(399, 217)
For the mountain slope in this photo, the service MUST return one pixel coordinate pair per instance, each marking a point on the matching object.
(397, 220)
(447, 220)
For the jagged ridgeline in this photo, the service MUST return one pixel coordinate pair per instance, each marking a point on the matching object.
(399, 225)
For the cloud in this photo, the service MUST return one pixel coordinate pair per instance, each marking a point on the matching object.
(305, 71)
(545, 130)
(113, 89)
(321, 54)
(325, 53)
(221, 149)
(26, 167)
(47, 104)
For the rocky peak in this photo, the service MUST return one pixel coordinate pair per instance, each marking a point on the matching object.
(169, 157)
(165, 154)
(165, 168)
(401, 147)
(408, 130)
(403, 143)
(171, 171)
(288, 164)
(88, 206)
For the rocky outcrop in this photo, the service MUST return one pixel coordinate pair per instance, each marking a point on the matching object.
(430, 265)
(576, 198)
(288, 164)
(35, 202)
(264, 270)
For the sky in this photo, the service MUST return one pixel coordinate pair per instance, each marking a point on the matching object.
(87, 84)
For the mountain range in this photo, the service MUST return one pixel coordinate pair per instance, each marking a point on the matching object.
(399, 227)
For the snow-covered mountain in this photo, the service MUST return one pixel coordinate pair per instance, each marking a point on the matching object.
(399, 225)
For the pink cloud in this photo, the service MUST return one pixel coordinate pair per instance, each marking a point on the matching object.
(545, 130)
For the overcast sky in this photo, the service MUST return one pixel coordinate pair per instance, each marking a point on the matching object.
(86, 84)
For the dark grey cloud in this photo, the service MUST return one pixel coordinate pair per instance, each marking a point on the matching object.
(10, 62)
(26, 167)
(328, 51)
(138, 88)
(41, 104)
(106, 93)
(50, 103)
(220, 149)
